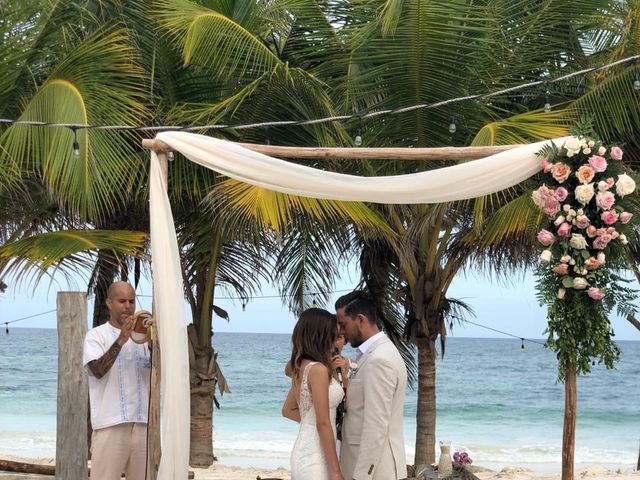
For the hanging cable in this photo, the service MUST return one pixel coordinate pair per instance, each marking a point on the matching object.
(336, 118)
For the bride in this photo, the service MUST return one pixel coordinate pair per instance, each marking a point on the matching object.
(314, 397)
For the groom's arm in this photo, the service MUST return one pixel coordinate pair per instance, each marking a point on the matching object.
(379, 387)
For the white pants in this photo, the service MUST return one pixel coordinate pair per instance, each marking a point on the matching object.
(118, 449)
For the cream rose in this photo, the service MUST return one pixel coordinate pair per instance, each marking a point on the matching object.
(560, 172)
(625, 185)
(580, 283)
(584, 193)
(577, 241)
(545, 256)
(561, 293)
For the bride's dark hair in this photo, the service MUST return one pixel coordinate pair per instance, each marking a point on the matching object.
(313, 339)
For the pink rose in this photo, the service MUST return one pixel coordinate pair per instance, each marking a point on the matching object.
(598, 163)
(540, 195)
(625, 217)
(551, 206)
(582, 221)
(610, 181)
(616, 153)
(560, 172)
(561, 194)
(546, 165)
(605, 200)
(595, 293)
(545, 237)
(609, 217)
(564, 230)
(599, 243)
(591, 231)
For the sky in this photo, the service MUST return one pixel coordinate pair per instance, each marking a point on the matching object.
(510, 308)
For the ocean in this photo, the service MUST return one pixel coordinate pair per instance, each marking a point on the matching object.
(501, 405)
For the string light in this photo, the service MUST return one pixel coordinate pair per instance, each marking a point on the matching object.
(244, 307)
(636, 80)
(314, 304)
(6, 326)
(452, 125)
(547, 102)
(170, 156)
(76, 145)
(522, 349)
(357, 141)
(336, 118)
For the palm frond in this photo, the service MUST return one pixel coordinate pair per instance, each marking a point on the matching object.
(66, 252)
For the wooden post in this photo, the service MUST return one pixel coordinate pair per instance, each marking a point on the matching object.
(154, 452)
(569, 430)
(73, 388)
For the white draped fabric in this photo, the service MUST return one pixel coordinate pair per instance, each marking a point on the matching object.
(168, 298)
(459, 182)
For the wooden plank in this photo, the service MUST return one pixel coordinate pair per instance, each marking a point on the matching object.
(331, 153)
(73, 387)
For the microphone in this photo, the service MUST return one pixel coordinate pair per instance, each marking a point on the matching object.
(339, 372)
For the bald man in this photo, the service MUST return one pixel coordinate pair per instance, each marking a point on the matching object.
(119, 372)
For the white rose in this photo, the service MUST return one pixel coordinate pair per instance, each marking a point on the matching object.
(586, 151)
(572, 212)
(580, 283)
(559, 221)
(545, 256)
(565, 259)
(561, 293)
(625, 185)
(602, 151)
(601, 257)
(573, 143)
(566, 208)
(572, 262)
(580, 212)
(623, 239)
(584, 193)
(571, 153)
(578, 241)
(591, 143)
(603, 186)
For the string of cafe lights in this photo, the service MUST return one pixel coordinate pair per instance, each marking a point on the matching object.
(359, 116)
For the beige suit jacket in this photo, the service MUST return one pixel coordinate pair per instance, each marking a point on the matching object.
(372, 437)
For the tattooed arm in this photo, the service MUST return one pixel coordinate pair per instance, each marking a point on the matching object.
(101, 366)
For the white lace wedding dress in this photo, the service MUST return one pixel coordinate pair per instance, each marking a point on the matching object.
(307, 457)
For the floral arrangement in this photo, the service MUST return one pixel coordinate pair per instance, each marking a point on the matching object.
(461, 459)
(586, 198)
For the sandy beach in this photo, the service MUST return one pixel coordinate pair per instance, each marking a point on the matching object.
(227, 472)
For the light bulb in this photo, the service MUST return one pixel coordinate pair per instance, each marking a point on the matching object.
(244, 307)
(170, 156)
(452, 125)
(522, 349)
(636, 81)
(358, 140)
(76, 149)
(547, 103)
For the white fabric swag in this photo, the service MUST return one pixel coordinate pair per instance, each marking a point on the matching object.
(463, 181)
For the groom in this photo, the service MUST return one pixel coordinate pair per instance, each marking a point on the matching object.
(372, 438)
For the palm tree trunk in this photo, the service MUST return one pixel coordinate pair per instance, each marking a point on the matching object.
(569, 430)
(202, 380)
(426, 412)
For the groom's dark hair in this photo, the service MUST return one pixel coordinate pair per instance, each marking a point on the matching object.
(358, 302)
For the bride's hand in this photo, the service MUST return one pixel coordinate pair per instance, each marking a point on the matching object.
(337, 476)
